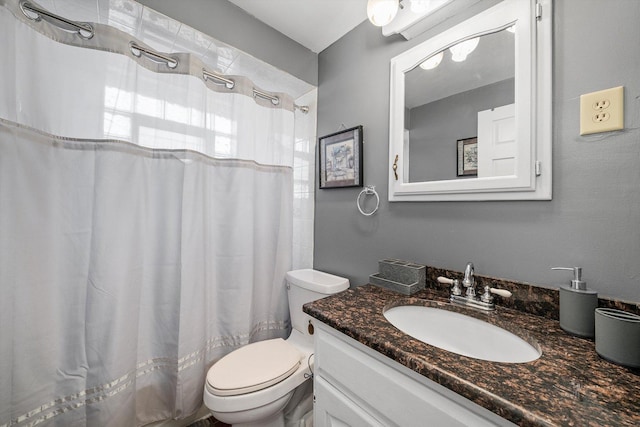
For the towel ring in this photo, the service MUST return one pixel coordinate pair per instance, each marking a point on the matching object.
(368, 190)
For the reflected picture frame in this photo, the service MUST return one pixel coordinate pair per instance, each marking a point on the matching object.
(340, 159)
(467, 156)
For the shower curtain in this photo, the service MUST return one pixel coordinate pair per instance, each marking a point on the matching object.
(145, 224)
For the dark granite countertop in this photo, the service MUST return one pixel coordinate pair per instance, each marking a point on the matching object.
(569, 385)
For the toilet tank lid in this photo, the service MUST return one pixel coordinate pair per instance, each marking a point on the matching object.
(317, 281)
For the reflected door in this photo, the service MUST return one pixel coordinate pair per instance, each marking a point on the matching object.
(497, 141)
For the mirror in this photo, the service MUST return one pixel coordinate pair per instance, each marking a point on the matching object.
(470, 110)
(443, 105)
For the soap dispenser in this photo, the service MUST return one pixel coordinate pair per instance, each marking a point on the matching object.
(577, 305)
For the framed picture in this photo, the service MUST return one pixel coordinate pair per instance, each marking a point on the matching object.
(340, 158)
(468, 157)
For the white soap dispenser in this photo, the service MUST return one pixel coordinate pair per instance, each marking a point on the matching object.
(577, 305)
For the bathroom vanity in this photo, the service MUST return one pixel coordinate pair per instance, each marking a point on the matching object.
(355, 385)
(370, 373)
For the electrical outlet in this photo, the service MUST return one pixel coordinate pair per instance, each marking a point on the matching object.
(602, 111)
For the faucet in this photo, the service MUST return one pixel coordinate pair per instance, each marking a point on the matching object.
(484, 302)
(469, 281)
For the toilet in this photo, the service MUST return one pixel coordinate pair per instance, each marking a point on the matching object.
(268, 383)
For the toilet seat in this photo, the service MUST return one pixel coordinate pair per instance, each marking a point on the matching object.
(253, 367)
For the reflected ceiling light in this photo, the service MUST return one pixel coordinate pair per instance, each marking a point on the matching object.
(432, 62)
(460, 51)
(381, 12)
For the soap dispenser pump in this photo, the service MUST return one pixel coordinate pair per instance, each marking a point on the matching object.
(577, 305)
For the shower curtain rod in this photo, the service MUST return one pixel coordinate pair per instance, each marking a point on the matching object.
(230, 84)
(137, 51)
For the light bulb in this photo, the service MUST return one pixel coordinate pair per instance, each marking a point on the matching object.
(381, 12)
(460, 51)
(432, 62)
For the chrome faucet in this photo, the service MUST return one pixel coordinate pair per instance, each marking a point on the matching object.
(469, 281)
(484, 302)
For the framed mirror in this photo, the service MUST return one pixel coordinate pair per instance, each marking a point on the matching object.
(470, 109)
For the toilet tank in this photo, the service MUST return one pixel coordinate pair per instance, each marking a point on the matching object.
(308, 285)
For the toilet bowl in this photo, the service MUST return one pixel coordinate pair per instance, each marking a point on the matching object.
(262, 383)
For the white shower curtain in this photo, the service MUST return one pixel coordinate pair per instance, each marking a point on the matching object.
(145, 228)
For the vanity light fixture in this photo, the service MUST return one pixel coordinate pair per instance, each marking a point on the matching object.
(460, 51)
(424, 7)
(381, 12)
(432, 62)
(419, 6)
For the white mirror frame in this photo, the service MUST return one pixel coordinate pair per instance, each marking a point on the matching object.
(533, 98)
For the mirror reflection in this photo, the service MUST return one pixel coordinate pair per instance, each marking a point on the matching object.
(460, 111)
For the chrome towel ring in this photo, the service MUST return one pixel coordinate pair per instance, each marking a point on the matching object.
(368, 190)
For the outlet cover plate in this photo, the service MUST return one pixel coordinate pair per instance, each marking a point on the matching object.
(602, 111)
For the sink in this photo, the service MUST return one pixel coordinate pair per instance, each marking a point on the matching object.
(461, 334)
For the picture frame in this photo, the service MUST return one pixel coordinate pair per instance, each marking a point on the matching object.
(467, 156)
(340, 159)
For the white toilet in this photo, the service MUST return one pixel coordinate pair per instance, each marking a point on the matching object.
(264, 383)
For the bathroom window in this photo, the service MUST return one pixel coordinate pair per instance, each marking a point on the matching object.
(158, 123)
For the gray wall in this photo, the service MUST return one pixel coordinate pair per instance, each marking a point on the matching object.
(228, 23)
(593, 220)
(435, 127)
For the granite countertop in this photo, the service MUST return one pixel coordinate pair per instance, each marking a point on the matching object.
(569, 385)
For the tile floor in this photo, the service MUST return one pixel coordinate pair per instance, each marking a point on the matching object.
(209, 422)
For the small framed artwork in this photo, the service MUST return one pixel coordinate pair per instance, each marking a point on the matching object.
(340, 158)
(468, 157)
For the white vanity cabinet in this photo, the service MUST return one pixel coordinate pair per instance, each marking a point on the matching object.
(356, 386)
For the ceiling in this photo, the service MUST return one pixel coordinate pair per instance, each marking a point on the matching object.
(315, 24)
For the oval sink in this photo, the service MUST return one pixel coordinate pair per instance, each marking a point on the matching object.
(461, 334)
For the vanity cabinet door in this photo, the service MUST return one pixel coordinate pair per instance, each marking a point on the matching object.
(356, 386)
(334, 409)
